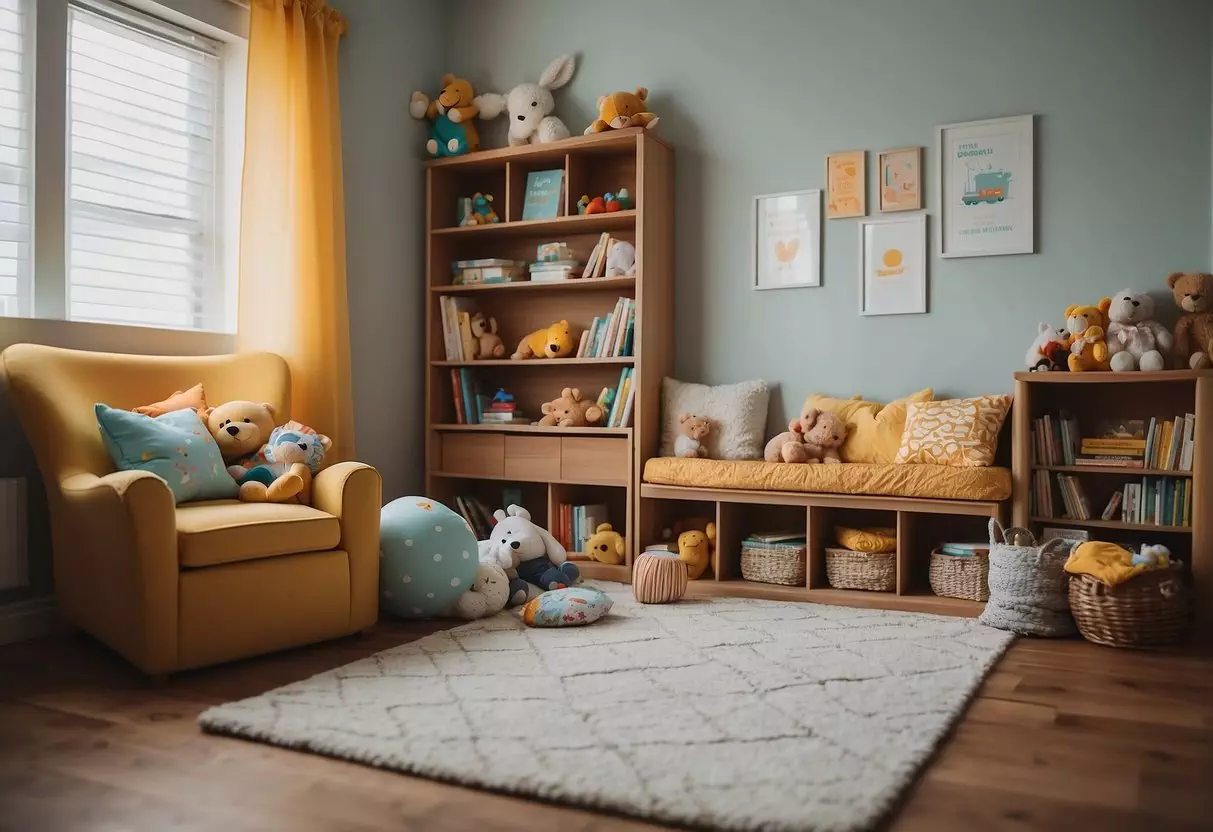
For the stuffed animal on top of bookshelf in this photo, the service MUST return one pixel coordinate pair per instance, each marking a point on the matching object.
(451, 115)
(692, 431)
(530, 105)
(1193, 343)
(1135, 340)
(488, 342)
(620, 110)
(1048, 351)
(1087, 343)
(570, 410)
(555, 341)
(606, 545)
(621, 260)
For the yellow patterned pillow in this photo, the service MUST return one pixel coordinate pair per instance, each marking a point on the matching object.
(960, 432)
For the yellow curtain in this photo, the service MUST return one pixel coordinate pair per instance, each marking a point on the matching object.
(292, 221)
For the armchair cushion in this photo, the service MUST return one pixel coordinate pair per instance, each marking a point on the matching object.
(226, 531)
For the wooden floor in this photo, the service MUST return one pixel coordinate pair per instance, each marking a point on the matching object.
(1064, 735)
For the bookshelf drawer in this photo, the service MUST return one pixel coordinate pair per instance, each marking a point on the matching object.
(532, 457)
(594, 459)
(473, 454)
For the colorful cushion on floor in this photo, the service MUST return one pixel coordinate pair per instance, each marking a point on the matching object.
(176, 447)
(569, 607)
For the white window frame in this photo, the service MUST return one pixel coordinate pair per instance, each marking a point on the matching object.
(219, 20)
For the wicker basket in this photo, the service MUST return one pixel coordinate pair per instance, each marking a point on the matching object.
(1147, 611)
(960, 577)
(774, 563)
(861, 570)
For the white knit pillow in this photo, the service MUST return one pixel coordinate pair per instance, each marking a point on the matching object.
(738, 413)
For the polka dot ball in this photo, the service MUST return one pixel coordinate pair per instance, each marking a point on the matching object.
(426, 557)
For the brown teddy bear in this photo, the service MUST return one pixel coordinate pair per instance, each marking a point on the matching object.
(488, 342)
(570, 411)
(241, 429)
(1193, 293)
(555, 341)
(692, 431)
(788, 446)
(815, 437)
(622, 109)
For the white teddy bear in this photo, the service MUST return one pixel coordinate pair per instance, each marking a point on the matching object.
(1135, 340)
(535, 557)
(530, 106)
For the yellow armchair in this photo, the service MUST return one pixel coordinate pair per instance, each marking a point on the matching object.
(175, 587)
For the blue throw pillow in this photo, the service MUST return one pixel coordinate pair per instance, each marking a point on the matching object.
(176, 447)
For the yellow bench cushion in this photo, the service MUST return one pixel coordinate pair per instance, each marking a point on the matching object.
(939, 482)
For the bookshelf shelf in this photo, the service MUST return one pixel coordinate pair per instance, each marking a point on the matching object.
(604, 284)
(1160, 377)
(463, 475)
(575, 224)
(548, 431)
(1112, 524)
(546, 363)
(1112, 469)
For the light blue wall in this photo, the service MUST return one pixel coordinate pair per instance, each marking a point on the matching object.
(754, 94)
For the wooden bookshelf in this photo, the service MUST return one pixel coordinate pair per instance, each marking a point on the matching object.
(552, 466)
(1091, 396)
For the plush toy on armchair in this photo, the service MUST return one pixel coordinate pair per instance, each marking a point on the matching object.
(292, 457)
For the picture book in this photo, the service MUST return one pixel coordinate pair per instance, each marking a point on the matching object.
(544, 197)
(1132, 429)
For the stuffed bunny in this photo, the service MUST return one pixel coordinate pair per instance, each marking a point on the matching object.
(530, 105)
(531, 551)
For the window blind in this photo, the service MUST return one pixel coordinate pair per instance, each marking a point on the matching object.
(16, 162)
(143, 150)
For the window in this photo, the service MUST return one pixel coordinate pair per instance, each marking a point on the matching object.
(143, 135)
(16, 161)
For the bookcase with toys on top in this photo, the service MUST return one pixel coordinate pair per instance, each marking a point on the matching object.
(513, 249)
(1123, 457)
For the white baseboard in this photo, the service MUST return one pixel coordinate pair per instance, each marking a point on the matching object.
(29, 619)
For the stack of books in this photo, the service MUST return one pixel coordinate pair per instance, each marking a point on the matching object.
(553, 271)
(477, 513)
(617, 401)
(610, 336)
(964, 550)
(596, 263)
(784, 536)
(1155, 501)
(474, 407)
(501, 410)
(457, 338)
(577, 523)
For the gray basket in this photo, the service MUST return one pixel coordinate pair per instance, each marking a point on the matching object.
(1028, 585)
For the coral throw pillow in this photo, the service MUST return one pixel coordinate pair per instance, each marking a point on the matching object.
(960, 432)
(876, 429)
(192, 399)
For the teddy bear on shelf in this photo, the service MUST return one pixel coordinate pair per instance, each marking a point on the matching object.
(692, 433)
(1193, 342)
(1135, 340)
(620, 110)
(570, 411)
(695, 550)
(606, 545)
(555, 341)
(535, 557)
(621, 260)
(1048, 352)
(488, 342)
(1087, 343)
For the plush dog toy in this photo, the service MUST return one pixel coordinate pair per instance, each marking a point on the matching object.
(1135, 340)
(536, 556)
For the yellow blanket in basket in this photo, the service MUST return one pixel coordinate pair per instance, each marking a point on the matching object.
(1107, 563)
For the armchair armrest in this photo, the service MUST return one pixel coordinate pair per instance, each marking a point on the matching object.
(116, 563)
(352, 492)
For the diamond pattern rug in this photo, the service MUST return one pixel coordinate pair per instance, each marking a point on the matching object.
(730, 713)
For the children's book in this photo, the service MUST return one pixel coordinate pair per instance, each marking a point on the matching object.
(543, 199)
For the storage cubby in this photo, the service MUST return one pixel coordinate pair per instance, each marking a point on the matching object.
(465, 182)
(736, 521)
(919, 534)
(597, 174)
(520, 170)
(614, 499)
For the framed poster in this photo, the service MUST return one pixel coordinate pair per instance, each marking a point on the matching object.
(846, 184)
(900, 179)
(893, 266)
(787, 240)
(986, 188)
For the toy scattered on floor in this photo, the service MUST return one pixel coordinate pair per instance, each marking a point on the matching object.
(692, 432)
(555, 341)
(488, 342)
(530, 106)
(568, 607)
(570, 410)
(1193, 342)
(488, 594)
(1153, 555)
(1088, 346)
(621, 260)
(658, 579)
(606, 545)
(622, 109)
(451, 115)
(428, 557)
(535, 555)
(695, 550)
(1048, 352)
(1135, 340)
(481, 211)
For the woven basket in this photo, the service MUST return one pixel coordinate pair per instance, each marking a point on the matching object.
(966, 577)
(773, 563)
(1027, 584)
(657, 579)
(861, 570)
(1148, 610)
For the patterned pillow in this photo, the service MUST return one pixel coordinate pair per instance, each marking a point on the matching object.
(960, 432)
(567, 607)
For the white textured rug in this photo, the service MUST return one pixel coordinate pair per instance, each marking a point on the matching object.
(732, 713)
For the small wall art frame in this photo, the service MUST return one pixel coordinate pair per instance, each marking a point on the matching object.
(787, 240)
(900, 185)
(893, 266)
(846, 184)
(987, 187)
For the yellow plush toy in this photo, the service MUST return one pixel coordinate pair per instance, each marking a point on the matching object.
(622, 109)
(606, 545)
(695, 550)
(555, 341)
(1087, 342)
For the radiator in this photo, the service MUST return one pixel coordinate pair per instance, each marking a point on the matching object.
(14, 551)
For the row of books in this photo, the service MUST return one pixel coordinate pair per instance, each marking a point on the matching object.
(1075, 504)
(477, 513)
(457, 339)
(617, 401)
(1170, 444)
(610, 336)
(1164, 445)
(1054, 440)
(1157, 501)
(596, 263)
(575, 524)
(474, 407)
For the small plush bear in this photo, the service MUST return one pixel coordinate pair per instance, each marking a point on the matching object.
(1193, 293)
(824, 434)
(621, 260)
(570, 411)
(788, 446)
(1088, 346)
(622, 109)
(692, 432)
(1048, 351)
(555, 341)
(240, 429)
(695, 550)
(1135, 340)
(488, 342)
(606, 545)
(536, 557)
